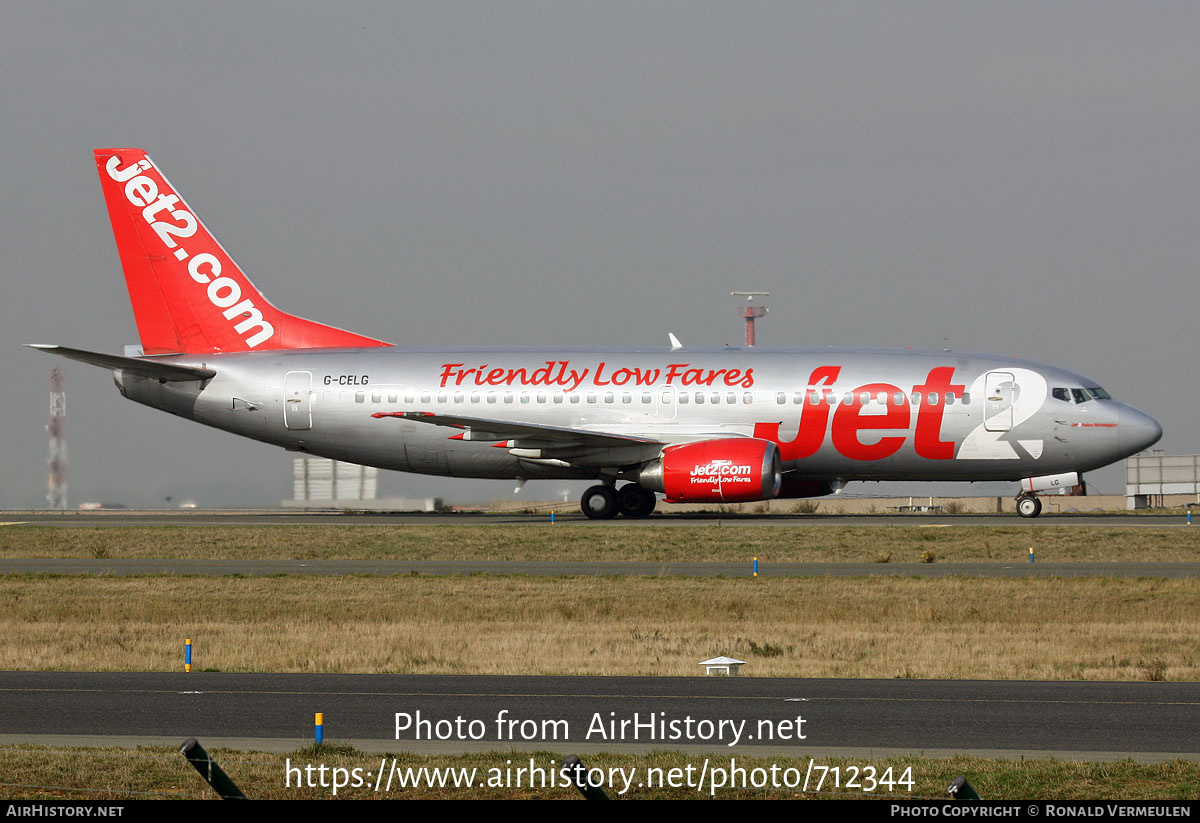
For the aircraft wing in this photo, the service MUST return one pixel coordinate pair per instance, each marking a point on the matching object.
(527, 434)
(155, 369)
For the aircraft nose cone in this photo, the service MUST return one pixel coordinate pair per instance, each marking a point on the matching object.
(1136, 431)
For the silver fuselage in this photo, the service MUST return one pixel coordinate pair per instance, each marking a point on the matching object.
(1001, 421)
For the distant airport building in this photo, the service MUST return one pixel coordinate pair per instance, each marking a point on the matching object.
(321, 483)
(1155, 480)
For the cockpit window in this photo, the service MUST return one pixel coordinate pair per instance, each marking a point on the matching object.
(1081, 395)
(1099, 393)
(1061, 394)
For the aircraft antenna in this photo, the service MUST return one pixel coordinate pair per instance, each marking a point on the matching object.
(56, 493)
(751, 312)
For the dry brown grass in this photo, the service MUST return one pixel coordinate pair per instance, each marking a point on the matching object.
(160, 772)
(1056, 629)
(610, 541)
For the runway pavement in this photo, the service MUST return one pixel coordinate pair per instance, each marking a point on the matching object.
(866, 718)
(570, 516)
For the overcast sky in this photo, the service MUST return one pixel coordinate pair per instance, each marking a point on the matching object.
(1017, 178)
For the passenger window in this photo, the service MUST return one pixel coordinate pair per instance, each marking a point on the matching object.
(966, 398)
(916, 398)
(608, 397)
(683, 399)
(699, 398)
(949, 399)
(898, 399)
(360, 397)
(458, 397)
(541, 397)
(525, 397)
(932, 399)
(558, 398)
(646, 399)
(780, 398)
(591, 397)
(441, 397)
(375, 398)
(747, 397)
(666, 398)
(626, 397)
(508, 397)
(391, 398)
(574, 398)
(848, 399)
(491, 397)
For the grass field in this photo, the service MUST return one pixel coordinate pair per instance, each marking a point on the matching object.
(38, 772)
(1046, 628)
(1043, 628)
(574, 540)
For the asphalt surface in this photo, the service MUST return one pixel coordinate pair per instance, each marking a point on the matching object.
(1147, 721)
(569, 515)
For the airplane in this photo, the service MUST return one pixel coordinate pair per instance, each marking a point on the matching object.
(692, 425)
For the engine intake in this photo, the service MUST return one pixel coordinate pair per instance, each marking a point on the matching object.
(732, 470)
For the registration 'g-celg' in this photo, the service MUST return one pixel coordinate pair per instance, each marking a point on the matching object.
(693, 425)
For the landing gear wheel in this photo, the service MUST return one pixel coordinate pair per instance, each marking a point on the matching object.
(635, 501)
(1029, 506)
(600, 503)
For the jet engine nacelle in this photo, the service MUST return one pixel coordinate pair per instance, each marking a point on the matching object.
(1048, 482)
(733, 470)
(796, 485)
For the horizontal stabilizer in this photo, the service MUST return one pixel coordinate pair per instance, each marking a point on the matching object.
(134, 365)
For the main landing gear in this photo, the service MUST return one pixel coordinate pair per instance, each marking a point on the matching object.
(606, 502)
(1028, 505)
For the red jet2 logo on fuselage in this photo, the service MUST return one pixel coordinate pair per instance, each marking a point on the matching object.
(850, 421)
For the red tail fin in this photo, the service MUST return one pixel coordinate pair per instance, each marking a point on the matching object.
(188, 295)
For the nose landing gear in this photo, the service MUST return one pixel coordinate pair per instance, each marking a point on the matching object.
(1028, 505)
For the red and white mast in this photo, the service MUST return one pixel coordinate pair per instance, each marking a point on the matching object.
(750, 312)
(56, 493)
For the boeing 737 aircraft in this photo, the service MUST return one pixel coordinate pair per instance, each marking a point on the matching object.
(693, 425)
